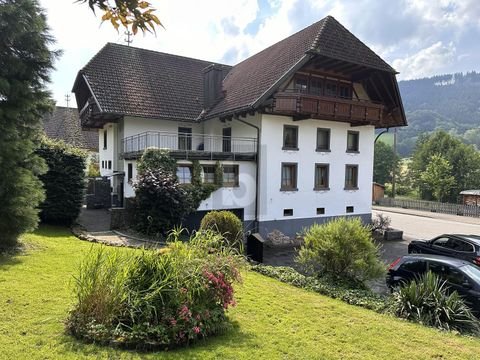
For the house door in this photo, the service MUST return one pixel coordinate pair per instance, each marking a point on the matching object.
(227, 140)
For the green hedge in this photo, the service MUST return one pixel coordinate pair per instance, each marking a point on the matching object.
(349, 292)
(64, 182)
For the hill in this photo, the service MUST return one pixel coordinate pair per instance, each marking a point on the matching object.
(450, 102)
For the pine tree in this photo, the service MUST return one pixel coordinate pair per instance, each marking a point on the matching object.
(25, 63)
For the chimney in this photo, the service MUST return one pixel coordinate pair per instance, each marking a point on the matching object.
(213, 76)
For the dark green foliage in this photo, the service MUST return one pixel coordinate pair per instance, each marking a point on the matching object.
(428, 302)
(438, 103)
(154, 159)
(341, 248)
(218, 174)
(64, 182)
(25, 63)
(351, 292)
(196, 173)
(226, 224)
(161, 202)
(156, 299)
(385, 162)
(464, 161)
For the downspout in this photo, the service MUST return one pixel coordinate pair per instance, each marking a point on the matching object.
(257, 175)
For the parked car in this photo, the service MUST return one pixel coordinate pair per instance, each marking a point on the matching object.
(466, 247)
(460, 275)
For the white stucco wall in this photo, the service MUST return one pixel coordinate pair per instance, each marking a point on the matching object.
(305, 201)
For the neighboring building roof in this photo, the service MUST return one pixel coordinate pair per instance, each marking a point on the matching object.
(253, 77)
(64, 124)
(470, 192)
(138, 82)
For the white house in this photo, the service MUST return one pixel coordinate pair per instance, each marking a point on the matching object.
(293, 126)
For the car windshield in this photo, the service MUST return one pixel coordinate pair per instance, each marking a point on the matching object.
(473, 272)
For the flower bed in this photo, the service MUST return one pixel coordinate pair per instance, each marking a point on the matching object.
(155, 299)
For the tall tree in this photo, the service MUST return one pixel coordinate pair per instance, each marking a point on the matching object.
(25, 62)
(385, 162)
(464, 159)
(438, 177)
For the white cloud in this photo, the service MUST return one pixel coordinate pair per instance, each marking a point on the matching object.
(426, 62)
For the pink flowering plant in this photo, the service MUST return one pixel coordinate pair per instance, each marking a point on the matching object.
(156, 298)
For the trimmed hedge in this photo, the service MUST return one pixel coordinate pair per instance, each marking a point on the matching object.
(226, 224)
(64, 182)
(351, 293)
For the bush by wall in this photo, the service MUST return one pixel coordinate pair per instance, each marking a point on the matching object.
(154, 159)
(343, 248)
(64, 181)
(226, 224)
(160, 202)
(427, 301)
(155, 298)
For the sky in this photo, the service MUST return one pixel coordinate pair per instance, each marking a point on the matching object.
(418, 38)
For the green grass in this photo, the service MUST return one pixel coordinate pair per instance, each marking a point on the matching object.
(272, 320)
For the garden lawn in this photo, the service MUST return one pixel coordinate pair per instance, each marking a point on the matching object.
(272, 320)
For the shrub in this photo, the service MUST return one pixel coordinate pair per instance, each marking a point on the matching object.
(428, 302)
(161, 202)
(64, 181)
(226, 224)
(155, 159)
(381, 222)
(351, 293)
(342, 248)
(155, 298)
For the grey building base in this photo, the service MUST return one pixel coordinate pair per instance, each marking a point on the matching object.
(292, 227)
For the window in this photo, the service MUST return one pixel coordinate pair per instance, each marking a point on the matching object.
(344, 91)
(459, 245)
(287, 212)
(109, 164)
(230, 175)
(352, 141)
(349, 209)
(442, 242)
(320, 211)
(351, 177)
(301, 84)
(209, 174)
(289, 177)
(316, 86)
(184, 138)
(290, 137)
(321, 176)
(129, 171)
(104, 139)
(184, 174)
(331, 89)
(415, 266)
(323, 139)
(103, 164)
(227, 140)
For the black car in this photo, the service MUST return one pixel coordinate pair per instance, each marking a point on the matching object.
(460, 275)
(466, 247)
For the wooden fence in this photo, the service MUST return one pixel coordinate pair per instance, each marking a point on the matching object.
(445, 208)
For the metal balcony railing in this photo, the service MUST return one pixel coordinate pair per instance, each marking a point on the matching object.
(200, 145)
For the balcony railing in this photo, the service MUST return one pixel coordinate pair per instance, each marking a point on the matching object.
(328, 108)
(191, 146)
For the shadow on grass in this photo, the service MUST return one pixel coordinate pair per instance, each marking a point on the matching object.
(233, 338)
(53, 231)
(10, 258)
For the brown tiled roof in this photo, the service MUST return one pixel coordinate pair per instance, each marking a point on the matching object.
(251, 78)
(138, 82)
(64, 124)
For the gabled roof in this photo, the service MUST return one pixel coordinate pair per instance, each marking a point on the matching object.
(64, 124)
(259, 74)
(132, 81)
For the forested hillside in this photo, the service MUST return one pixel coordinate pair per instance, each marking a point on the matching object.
(448, 102)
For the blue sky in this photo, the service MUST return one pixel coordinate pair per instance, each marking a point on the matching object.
(417, 37)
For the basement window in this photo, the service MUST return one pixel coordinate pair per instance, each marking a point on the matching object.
(287, 212)
(349, 209)
(230, 175)
(321, 211)
(109, 164)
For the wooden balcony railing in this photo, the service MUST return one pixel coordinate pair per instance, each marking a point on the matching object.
(191, 146)
(328, 108)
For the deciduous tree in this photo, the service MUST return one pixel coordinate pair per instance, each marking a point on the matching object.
(385, 162)
(438, 177)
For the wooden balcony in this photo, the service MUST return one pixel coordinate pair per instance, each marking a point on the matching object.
(303, 105)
